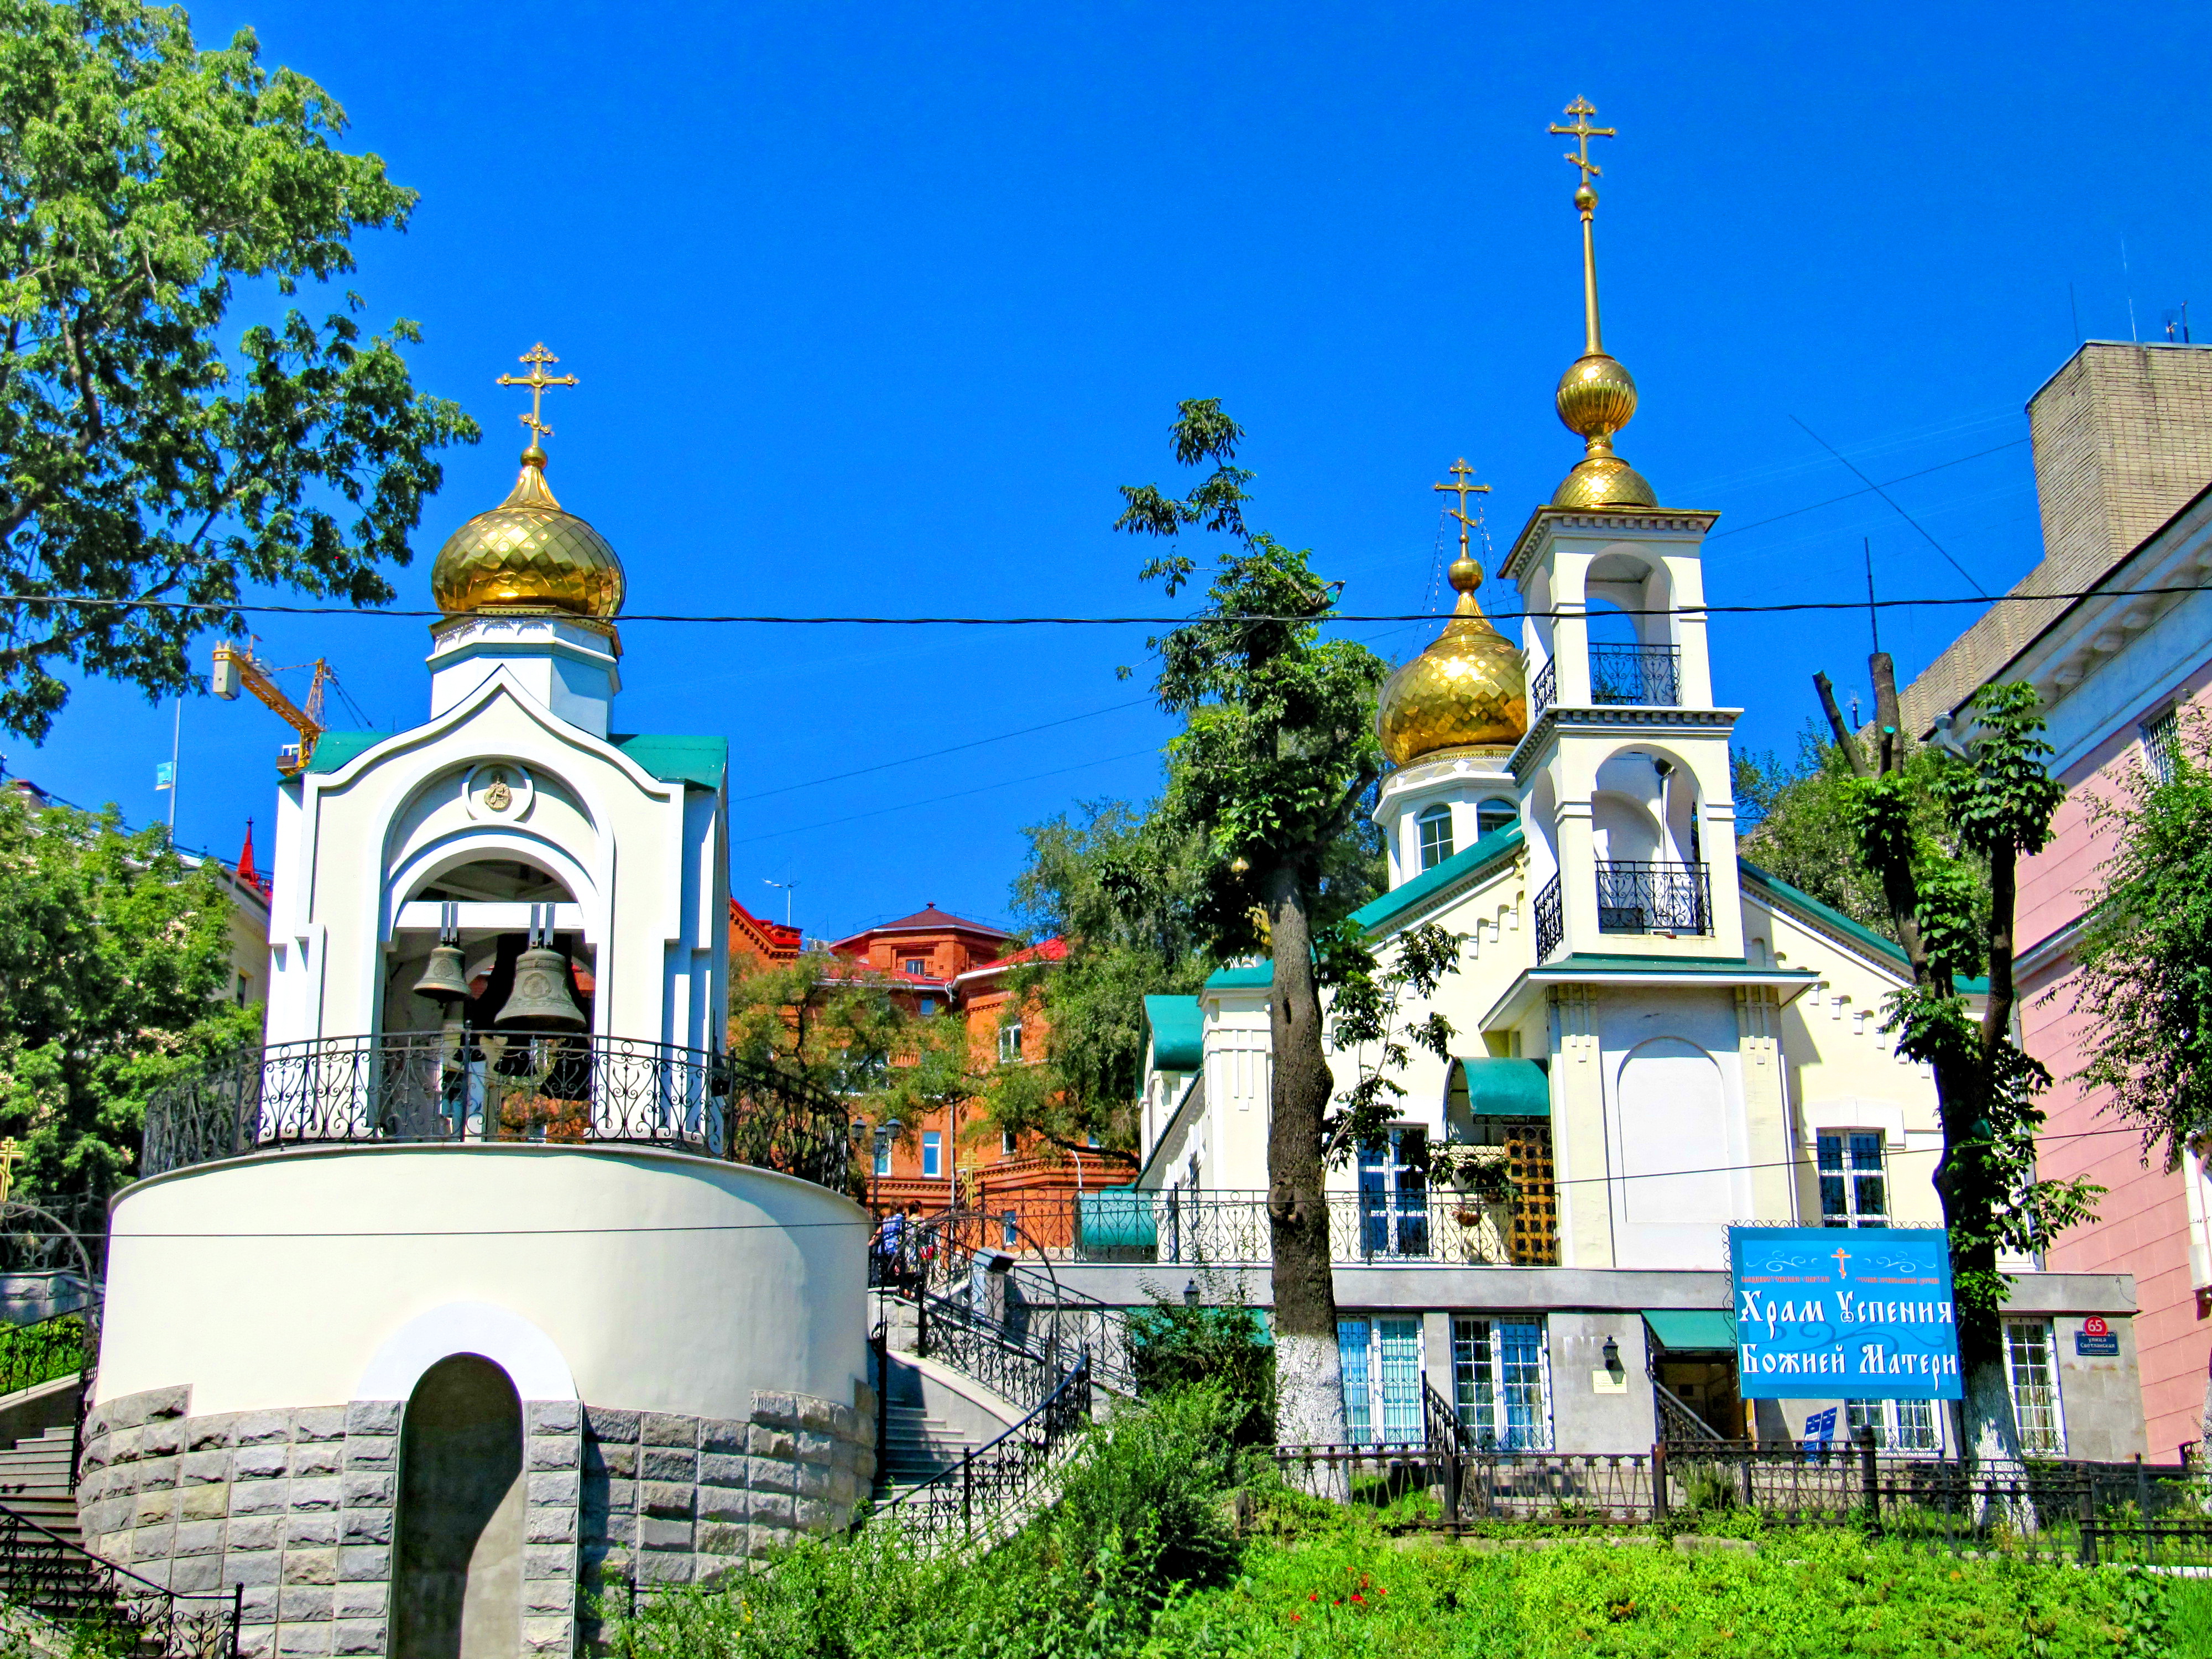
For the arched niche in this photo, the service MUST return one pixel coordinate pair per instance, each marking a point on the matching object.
(1654, 800)
(457, 1555)
(1674, 1136)
(499, 881)
(1631, 594)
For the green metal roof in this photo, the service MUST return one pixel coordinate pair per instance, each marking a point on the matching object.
(334, 749)
(1694, 1329)
(1498, 1087)
(677, 759)
(1410, 896)
(1254, 976)
(1178, 1032)
(1775, 887)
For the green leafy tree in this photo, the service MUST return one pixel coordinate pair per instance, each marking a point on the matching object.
(1276, 755)
(114, 960)
(1997, 799)
(142, 180)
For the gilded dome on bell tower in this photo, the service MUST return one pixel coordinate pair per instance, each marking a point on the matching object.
(1470, 687)
(527, 553)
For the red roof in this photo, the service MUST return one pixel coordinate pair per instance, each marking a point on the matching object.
(1051, 950)
(928, 920)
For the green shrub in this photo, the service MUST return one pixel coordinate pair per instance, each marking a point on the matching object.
(1224, 1341)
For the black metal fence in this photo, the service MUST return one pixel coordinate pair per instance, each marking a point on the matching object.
(499, 1086)
(60, 1345)
(1648, 675)
(46, 1574)
(1647, 896)
(995, 1488)
(2055, 1512)
(1551, 921)
(1545, 691)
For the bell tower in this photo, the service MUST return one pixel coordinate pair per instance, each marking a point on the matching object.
(1625, 770)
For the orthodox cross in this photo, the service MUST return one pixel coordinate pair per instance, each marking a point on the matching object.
(9, 1152)
(1461, 473)
(1581, 132)
(537, 380)
(1843, 1258)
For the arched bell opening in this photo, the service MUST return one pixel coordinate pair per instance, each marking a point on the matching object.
(495, 913)
(456, 1572)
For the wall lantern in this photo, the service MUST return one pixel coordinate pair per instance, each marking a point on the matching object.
(1612, 1353)
(1190, 1294)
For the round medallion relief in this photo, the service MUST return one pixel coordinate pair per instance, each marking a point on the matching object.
(498, 789)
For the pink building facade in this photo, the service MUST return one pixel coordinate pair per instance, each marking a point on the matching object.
(2122, 437)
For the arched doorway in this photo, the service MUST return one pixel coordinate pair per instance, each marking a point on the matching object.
(457, 1578)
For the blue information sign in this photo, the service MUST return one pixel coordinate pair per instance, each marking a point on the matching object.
(1860, 1313)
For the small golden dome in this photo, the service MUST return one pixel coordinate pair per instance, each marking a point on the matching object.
(1468, 689)
(1596, 398)
(526, 551)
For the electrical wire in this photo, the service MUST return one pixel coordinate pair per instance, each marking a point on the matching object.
(1185, 621)
(1852, 495)
(1892, 500)
(957, 794)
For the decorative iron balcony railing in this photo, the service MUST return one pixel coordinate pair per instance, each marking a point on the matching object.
(1649, 676)
(1545, 692)
(1551, 921)
(1650, 896)
(431, 1087)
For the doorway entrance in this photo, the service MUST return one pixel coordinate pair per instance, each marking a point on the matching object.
(457, 1581)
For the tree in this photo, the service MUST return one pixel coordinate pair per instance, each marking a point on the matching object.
(1997, 799)
(1277, 754)
(114, 971)
(142, 180)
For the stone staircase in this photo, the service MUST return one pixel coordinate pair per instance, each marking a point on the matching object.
(917, 1447)
(34, 1482)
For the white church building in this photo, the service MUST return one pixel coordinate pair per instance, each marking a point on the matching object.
(489, 1280)
(1655, 1041)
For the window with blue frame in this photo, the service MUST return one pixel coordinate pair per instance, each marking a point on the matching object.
(1393, 1193)
(1382, 1363)
(1501, 1382)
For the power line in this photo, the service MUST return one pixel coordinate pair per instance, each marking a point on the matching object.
(1852, 495)
(1185, 621)
(957, 794)
(1892, 500)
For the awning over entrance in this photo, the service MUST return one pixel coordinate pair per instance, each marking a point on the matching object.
(1693, 1330)
(1506, 1088)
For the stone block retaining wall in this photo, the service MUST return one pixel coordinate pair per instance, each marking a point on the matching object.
(297, 1505)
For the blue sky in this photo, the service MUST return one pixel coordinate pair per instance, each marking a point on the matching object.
(874, 306)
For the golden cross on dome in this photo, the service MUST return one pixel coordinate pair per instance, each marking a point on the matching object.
(1461, 473)
(537, 380)
(1581, 132)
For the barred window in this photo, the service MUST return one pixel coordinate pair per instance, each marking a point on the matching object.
(2033, 1370)
(1382, 1363)
(1854, 1186)
(1501, 1382)
(1897, 1424)
(2162, 742)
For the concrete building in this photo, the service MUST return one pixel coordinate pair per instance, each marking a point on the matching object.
(487, 1284)
(2122, 437)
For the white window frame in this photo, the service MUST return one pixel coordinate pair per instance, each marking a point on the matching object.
(1009, 1146)
(1360, 1342)
(1010, 1043)
(2043, 1439)
(1850, 1171)
(1898, 1426)
(1443, 843)
(1395, 1213)
(915, 964)
(883, 1155)
(1482, 1388)
(933, 1155)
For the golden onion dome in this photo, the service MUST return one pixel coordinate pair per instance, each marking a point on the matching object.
(527, 552)
(1468, 689)
(1596, 398)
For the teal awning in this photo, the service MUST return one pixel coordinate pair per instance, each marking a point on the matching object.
(1506, 1088)
(1706, 1330)
(1178, 1026)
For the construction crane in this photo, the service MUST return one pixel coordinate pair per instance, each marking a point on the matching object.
(237, 664)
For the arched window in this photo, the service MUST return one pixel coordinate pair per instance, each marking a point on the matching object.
(1436, 827)
(1495, 815)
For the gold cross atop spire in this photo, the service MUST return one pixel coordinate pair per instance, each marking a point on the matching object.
(537, 380)
(1461, 473)
(1581, 132)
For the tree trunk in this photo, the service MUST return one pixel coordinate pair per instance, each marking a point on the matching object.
(1309, 1377)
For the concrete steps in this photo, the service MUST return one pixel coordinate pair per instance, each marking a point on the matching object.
(34, 1482)
(917, 1447)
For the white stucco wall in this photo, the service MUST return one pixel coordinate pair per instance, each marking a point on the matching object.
(664, 1281)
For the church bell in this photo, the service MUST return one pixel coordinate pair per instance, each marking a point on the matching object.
(442, 981)
(541, 1001)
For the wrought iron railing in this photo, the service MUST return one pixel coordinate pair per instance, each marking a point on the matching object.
(1151, 1226)
(44, 1573)
(1678, 1424)
(1646, 675)
(1551, 921)
(58, 1346)
(1651, 896)
(994, 1488)
(1545, 691)
(499, 1086)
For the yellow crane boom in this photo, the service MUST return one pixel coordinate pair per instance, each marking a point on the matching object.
(236, 665)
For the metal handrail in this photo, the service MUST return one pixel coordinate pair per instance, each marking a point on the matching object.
(1653, 895)
(1446, 1433)
(1647, 675)
(1179, 1227)
(1544, 691)
(47, 1574)
(1551, 921)
(431, 1087)
(989, 1483)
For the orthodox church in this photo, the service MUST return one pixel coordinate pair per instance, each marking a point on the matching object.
(1656, 1039)
(488, 1283)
